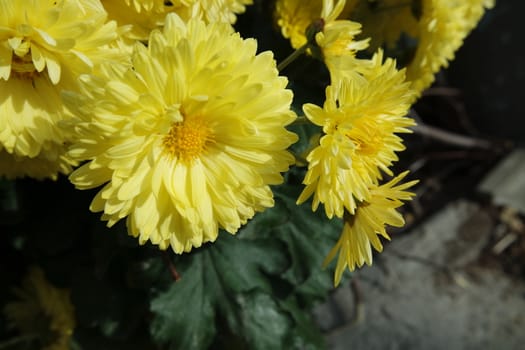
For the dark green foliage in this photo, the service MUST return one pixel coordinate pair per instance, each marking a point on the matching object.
(254, 287)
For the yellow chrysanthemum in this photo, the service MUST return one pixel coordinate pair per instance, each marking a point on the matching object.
(48, 164)
(44, 46)
(360, 118)
(139, 17)
(337, 44)
(361, 231)
(384, 21)
(422, 34)
(188, 140)
(335, 37)
(43, 312)
(294, 16)
(443, 27)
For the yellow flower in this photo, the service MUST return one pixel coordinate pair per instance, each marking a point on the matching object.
(139, 17)
(294, 16)
(188, 140)
(444, 25)
(384, 21)
(48, 164)
(337, 43)
(361, 231)
(423, 35)
(334, 37)
(220, 10)
(360, 119)
(42, 311)
(315, 25)
(44, 46)
(337, 36)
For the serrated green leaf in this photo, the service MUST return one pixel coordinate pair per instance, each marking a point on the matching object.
(243, 265)
(308, 237)
(211, 279)
(264, 323)
(307, 334)
(185, 313)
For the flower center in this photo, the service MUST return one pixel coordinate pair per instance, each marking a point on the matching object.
(187, 140)
(367, 142)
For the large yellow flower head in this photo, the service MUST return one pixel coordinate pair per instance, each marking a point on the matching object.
(43, 312)
(361, 231)
(188, 140)
(360, 119)
(140, 17)
(44, 46)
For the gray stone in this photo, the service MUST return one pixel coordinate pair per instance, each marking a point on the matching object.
(506, 182)
(426, 291)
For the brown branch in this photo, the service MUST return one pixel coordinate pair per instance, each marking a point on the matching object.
(452, 138)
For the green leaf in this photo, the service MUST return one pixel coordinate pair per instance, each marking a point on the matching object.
(211, 279)
(308, 237)
(185, 313)
(306, 334)
(254, 289)
(264, 323)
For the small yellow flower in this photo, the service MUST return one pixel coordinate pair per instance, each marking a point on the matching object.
(44, 46)
(360, 119)
(361, 231)
(335, 37)
(294, 17)
(42, 311)
(316, 25)
(189, 140)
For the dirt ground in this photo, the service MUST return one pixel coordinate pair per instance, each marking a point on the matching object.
(455, 282)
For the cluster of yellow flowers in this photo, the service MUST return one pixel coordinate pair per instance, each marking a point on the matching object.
(183, 123)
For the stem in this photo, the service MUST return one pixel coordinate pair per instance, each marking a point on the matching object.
(292, 57)
(171, 267)
(301, 121)
(452, 138)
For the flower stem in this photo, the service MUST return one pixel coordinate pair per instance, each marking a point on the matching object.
(292, 57)
(301, 121)
(171, 267)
